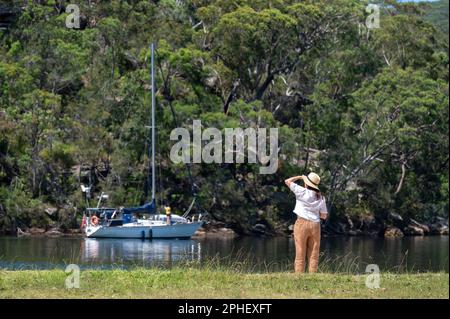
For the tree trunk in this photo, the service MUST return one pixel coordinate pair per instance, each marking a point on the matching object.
(262, 89)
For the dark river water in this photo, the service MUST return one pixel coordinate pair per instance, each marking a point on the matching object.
(345, 254)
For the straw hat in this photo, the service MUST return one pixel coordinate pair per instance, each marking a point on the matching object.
(312, 180)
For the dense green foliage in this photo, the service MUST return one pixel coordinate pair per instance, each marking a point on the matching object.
(438, 15)
(366, 109)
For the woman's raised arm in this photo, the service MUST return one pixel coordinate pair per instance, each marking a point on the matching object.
(292, 180)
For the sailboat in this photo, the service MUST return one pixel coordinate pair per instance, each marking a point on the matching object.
(131, 222)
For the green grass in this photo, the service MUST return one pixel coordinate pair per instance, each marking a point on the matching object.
(217, 283)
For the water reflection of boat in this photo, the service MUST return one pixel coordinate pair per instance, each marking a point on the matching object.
(139, 252)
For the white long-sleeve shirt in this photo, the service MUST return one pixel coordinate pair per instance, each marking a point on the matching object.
(307, 205)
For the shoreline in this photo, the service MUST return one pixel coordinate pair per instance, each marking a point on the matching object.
(393, 226)
(397, 227)
(225, 234)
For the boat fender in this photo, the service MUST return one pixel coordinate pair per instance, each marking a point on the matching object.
(150, 233)
(143, 234)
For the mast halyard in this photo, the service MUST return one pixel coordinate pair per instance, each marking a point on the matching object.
(153, 139)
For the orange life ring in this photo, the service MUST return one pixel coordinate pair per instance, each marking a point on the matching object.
(94, 220)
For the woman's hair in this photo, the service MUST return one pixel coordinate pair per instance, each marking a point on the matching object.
(318, 193)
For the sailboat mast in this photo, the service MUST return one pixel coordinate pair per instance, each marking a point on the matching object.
(153, 123)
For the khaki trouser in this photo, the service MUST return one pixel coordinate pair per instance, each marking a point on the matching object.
(307, 245)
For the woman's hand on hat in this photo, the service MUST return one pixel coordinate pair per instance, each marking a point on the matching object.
(292, 180)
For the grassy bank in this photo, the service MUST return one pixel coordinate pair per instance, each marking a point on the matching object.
(197, 283)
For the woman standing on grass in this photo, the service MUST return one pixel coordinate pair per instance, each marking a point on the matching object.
(310, 208)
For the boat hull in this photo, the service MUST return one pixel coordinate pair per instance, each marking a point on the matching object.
(182, 230)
